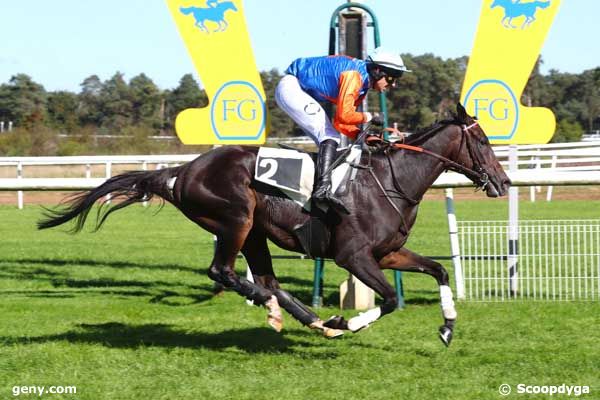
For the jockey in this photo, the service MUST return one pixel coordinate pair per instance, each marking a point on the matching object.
(343, 81)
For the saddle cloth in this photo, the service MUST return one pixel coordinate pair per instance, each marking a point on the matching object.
(293, 172)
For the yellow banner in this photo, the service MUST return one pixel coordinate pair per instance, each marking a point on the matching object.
(217, 39)
(507, 44)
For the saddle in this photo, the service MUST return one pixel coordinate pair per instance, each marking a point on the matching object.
(291, 173)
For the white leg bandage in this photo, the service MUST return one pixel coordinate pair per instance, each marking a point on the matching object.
(447, 302)
(364, 319)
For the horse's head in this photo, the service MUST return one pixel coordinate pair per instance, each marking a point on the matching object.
(228, 5)
(475, 153)
(496, 3)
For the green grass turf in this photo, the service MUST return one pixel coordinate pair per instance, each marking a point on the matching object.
(127, 313)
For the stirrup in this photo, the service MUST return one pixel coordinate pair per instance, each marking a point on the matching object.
(334, 202)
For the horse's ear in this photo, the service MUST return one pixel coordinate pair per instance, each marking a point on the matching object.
(461, 113)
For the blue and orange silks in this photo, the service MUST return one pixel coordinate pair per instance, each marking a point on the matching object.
(341, 80)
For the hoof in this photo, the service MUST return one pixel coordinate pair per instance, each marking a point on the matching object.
(332, 333)
(274, 318)
(329, 333)
(336, 322)
(275, 323)
(218, 289)
(445, 335)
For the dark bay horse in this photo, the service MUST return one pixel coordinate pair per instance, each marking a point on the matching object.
(217, 192)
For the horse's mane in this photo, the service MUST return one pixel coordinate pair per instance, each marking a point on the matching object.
(417, 138)
(423, 134)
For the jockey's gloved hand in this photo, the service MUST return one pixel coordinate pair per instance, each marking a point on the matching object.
(377, 120)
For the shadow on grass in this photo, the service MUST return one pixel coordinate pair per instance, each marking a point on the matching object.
(119, 335)
(158, 292)
(163, 297)
(103, 264)
(422, 301)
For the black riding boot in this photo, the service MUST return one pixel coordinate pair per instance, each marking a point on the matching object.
(322, 190)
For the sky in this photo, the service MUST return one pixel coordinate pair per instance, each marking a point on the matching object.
(59, 43)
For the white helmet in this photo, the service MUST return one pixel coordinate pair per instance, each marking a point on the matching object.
(389, 61)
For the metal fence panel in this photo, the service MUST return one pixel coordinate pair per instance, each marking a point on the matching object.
(558, 260)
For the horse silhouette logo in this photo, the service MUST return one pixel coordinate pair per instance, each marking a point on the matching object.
(515, 9)
(215, 12)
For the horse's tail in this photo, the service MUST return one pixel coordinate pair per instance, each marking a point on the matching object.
(131, 187)
(186, 10)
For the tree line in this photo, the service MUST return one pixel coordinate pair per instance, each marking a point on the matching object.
(138, 108)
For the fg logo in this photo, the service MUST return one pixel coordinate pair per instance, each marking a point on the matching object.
(495, 105)
(218, 41)
(238, 112)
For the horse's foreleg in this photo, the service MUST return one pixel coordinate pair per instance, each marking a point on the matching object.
(222, 26)
(528, 21)
(200, 24)
(365, 267)
(406, 260)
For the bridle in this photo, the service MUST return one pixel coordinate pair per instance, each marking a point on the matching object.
(480, 178)
(477, 173)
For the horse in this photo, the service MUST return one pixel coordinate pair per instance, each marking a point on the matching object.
(214, 13)
(517, 9)
(217, 192)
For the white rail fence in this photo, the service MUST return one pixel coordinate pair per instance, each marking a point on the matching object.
(21, 183)
(579, 156)
(557, 260)
(569, 163)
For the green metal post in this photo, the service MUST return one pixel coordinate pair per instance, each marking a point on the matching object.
(317, 298)
(399, 288)
(375, 25)
(383, 108)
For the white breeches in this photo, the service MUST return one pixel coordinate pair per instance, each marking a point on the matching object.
(304, 110)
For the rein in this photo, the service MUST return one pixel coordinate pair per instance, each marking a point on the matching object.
(477, 174)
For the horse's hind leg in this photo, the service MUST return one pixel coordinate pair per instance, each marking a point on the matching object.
(256, 252)
(406, 260)
(230, 239)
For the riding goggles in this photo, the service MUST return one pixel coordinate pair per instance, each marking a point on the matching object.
(392, 79)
